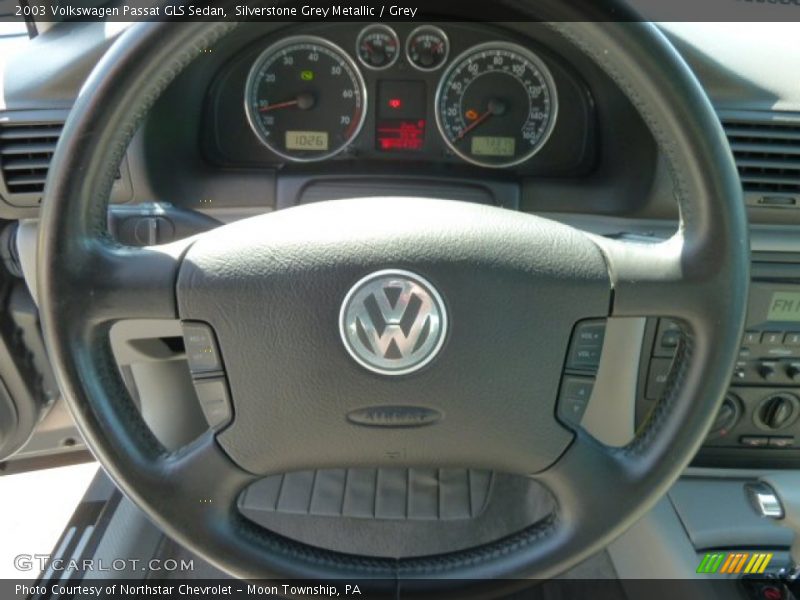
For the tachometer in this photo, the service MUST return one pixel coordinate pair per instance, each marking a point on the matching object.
(496, 105)
(305, 98)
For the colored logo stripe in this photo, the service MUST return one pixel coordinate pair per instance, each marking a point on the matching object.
(734, 562)
(710, 563)
(758, 564)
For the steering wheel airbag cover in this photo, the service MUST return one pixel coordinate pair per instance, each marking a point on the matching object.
(514, 286)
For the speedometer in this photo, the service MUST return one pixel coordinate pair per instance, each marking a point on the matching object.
(496, 105)
(305, 98)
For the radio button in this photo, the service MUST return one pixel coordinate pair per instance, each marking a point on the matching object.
(781, 442)
(754, 441)
(772, 338)
(586, 346)
(792, 338)
(591, 333)
(751, 337)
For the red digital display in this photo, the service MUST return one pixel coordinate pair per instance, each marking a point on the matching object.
(399, 134)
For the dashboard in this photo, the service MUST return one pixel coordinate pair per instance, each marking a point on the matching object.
(444, 94)
(568, 143)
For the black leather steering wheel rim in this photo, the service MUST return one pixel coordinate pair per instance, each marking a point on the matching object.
(86, 281)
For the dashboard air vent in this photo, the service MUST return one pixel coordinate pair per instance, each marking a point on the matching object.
(766, 147)
(25, 153)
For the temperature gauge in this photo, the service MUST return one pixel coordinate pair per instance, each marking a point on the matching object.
(377, 47)
(427, 48)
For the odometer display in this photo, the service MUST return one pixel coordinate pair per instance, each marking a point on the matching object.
(307, 140)
(496, 105)
(492, 146)
(305, 99)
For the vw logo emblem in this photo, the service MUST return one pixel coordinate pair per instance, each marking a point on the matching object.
(393, 322)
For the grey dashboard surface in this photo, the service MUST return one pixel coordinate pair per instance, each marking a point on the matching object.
(743, 65)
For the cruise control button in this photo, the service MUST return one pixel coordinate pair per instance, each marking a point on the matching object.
(657, 377)
(668, 336)
(201, 348)
(574, 398)
(214, 400)
(670, 339)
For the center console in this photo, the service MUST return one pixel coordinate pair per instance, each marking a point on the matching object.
(759, 422)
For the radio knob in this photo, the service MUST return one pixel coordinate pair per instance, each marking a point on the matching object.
(778, 411)
(766, 370)
(727, 417)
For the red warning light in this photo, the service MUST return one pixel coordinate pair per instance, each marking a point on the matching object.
(395, 103)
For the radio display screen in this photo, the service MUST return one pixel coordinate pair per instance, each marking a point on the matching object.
(784, 306)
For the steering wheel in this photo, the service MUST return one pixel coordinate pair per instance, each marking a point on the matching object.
(502, 292)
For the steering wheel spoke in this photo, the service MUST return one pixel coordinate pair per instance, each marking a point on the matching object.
(580, 478)
(667, 278)
(203, 471)
(125, 282)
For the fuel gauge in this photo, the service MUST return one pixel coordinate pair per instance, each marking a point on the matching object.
(427, 48)
(377, 47)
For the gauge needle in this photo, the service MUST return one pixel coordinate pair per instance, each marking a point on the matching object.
(303, 101)
(474, 124)
(286, 104)
(496, 107)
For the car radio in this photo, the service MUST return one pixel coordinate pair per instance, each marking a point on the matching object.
(759, 421)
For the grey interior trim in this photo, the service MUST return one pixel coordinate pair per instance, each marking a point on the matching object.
(763, 238)
(716, 514)
(158, 378)
(27, 242)
(129, 535)
(55, 433)
(610, 413)
(656, 547)
(754, 79)
(127, 339)
(709, 472)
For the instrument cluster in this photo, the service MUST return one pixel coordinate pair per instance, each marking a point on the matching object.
(455, 94)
